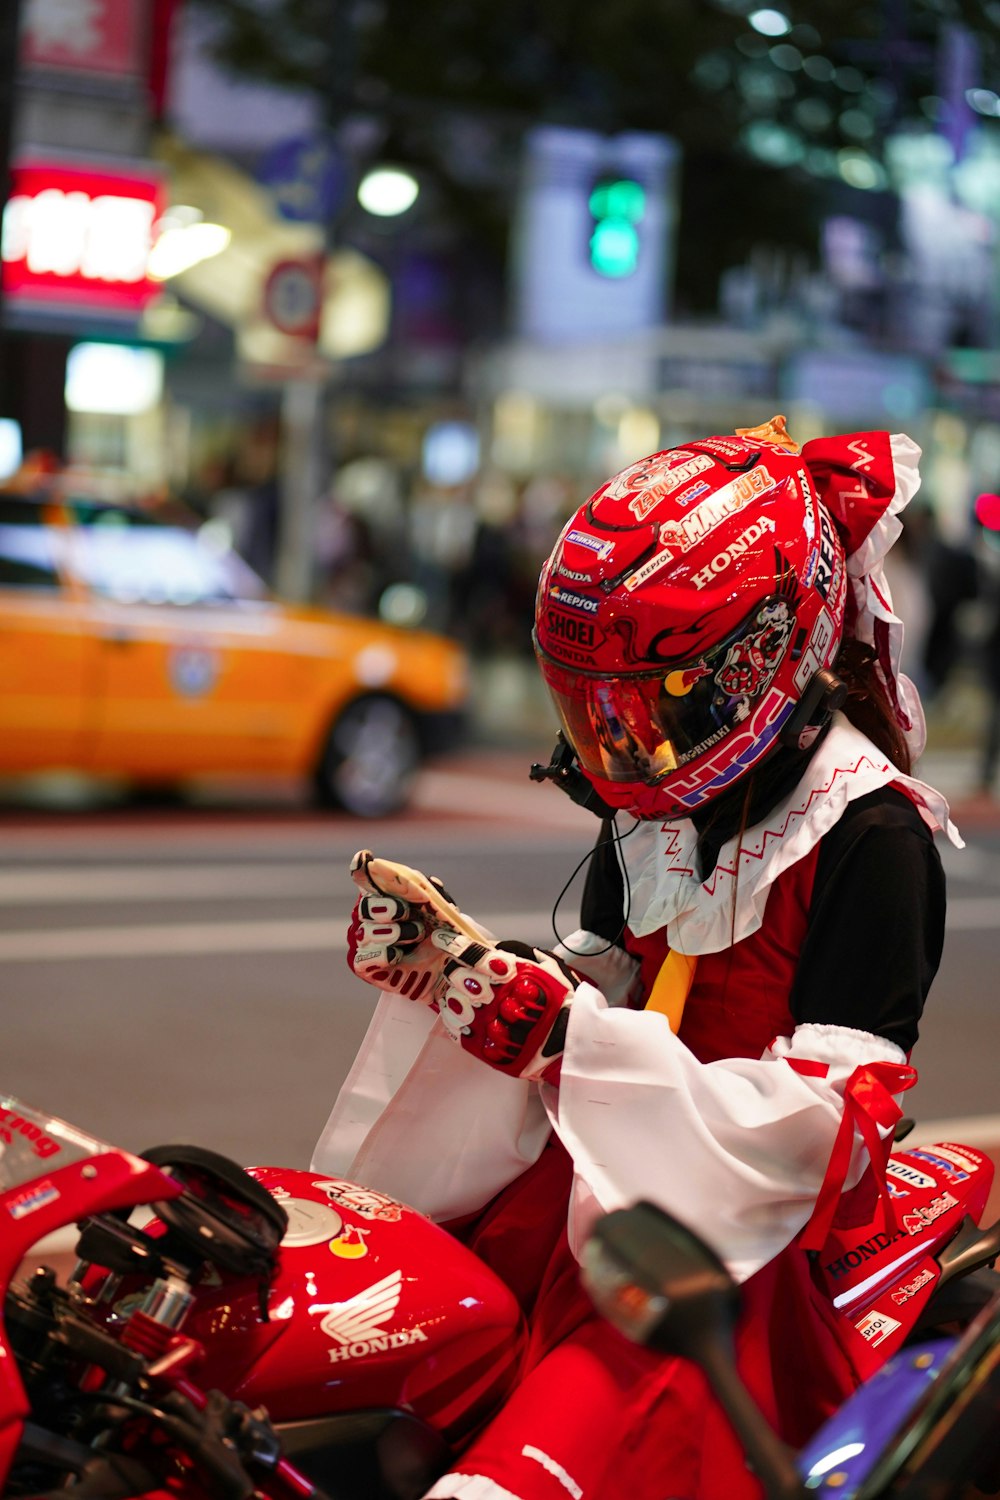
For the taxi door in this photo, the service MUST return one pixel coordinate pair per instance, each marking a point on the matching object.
(193, 674)
(45, 661)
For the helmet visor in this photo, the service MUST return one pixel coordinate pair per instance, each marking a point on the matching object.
(642, 727)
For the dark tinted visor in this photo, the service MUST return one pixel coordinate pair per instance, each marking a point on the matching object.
(642, 727)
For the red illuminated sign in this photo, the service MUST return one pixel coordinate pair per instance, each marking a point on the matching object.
(79, 238)
(84, 36)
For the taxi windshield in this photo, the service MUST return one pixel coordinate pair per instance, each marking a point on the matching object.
(33, 1143)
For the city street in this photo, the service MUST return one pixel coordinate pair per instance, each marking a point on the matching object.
(171, 973)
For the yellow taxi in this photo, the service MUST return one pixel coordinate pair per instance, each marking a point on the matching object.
(144, 650)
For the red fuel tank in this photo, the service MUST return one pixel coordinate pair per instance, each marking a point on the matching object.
(372, 1305)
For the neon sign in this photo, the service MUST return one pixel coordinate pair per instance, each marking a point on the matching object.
(76, 237)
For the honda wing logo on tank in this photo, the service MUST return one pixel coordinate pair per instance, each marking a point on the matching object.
(358, 1323)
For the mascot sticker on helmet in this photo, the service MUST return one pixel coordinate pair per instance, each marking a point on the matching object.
(653, 479)
(751, 661)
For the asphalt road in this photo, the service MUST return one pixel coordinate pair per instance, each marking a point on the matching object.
(170, 974)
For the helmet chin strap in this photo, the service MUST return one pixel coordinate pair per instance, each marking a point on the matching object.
(824, 694)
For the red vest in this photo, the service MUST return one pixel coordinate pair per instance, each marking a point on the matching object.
(738, 1001)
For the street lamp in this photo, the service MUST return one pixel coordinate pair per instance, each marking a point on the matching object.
(388, 191)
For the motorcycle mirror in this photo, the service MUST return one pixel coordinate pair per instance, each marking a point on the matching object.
(657, 1283)
(662, 1286)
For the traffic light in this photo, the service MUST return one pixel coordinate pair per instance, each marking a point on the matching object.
(617, 206)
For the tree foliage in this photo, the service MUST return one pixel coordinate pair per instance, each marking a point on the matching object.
(762, 120)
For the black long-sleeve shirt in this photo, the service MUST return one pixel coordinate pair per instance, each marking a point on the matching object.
(876, 918)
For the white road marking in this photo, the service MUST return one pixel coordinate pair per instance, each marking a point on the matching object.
(195, 939)
(300, 934)
(973, 914)
(42, 885)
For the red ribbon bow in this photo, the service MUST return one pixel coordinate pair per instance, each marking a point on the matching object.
(869, 1107)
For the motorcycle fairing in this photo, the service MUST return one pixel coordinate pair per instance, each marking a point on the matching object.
(879, 1275)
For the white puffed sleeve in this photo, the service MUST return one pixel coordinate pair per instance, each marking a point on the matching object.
(738, 1148)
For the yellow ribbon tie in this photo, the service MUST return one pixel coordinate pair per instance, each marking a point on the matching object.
(672, 986)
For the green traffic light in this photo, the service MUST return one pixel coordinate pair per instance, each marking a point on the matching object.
(614, 247)
(621, 198)
(616, 205)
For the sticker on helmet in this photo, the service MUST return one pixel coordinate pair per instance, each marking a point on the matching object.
(830, 561)
(592, 543)
(689, 496)
(570, 631)
(712, 511)
(570, 600)
(751, 662)
(736, 548)
(728, 447)
(678, 684)
(652, 479)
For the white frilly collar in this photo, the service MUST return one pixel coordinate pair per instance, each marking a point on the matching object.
(661, 864)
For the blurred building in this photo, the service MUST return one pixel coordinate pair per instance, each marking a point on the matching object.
(199, 293)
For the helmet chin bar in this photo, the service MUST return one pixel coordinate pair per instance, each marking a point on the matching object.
(824, 694)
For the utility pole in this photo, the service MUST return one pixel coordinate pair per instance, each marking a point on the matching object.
(10, 16)
(308, 463)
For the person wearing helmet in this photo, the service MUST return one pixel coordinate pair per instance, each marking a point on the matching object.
(728, 1033)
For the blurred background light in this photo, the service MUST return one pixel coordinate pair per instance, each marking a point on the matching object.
(770, 22)
(819, 69)
(988, 511)
(859, 170)
(450, 453)
(403, 604)
(114, 379)
(983, 101)
(786, 57)
(10, 446)
(773, 143)
(387, 192)
(182, 245)
(638, 433)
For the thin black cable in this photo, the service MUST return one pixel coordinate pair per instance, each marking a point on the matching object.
(617, 838)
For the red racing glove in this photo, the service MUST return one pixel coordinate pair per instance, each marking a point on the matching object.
(505, 1003)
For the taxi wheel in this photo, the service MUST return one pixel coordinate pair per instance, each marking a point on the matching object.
(369, 760)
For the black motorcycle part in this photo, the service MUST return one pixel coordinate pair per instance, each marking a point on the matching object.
(119, 1247)
(223, 1214)
(367, 1455)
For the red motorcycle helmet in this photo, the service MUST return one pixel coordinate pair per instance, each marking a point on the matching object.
(687, 617)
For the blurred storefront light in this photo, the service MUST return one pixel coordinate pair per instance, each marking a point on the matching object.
(387, 192)
(638, 433)
(185, 239)
(10, 446)
(76, 237)
(113, 379)
(518, 424)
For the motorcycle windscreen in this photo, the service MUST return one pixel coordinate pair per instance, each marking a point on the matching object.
(32, 1142)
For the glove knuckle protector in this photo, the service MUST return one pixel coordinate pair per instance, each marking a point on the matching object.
(501, 1006)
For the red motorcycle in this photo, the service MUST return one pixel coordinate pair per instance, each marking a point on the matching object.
(277, 1333)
